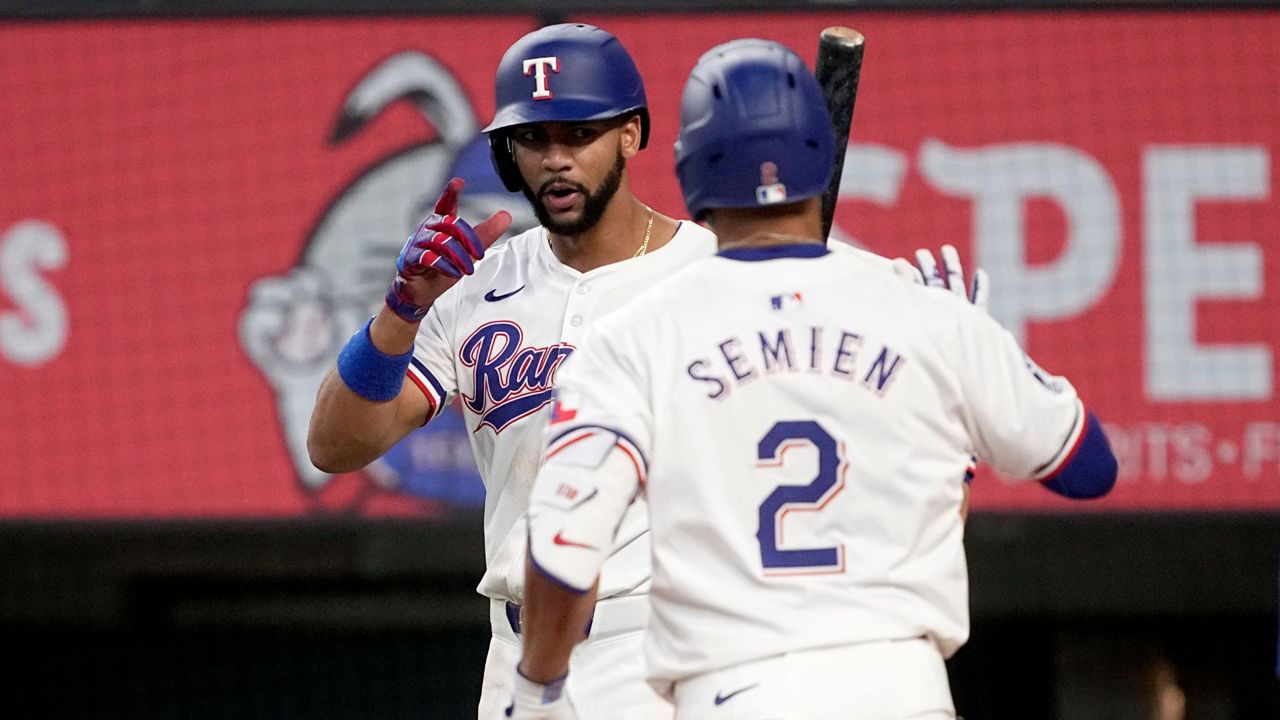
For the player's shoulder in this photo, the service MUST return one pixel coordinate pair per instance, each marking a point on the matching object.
(694, 235)
(945, 318)
(856, 254)
(909, 312)
(691, 242)
(896, 281)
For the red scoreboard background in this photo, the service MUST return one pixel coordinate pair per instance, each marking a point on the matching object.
(194, 215)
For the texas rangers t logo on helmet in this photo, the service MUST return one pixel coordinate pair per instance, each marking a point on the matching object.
(770, 191)
(539, 67)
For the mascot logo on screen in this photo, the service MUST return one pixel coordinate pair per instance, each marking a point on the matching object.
(294, 325)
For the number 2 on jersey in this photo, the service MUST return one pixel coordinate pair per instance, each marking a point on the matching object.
(800, 498)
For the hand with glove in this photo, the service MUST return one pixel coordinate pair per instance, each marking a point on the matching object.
(443, 249)
(365, 405)
(540, 701)
(949, 276)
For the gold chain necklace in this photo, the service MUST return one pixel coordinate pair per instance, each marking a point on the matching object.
(648, 229)
(644, 246)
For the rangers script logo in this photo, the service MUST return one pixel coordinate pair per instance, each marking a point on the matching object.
(510, 381)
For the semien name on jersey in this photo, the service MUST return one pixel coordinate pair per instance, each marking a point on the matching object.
(741, 359)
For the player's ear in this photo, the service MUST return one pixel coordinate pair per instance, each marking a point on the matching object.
(630, 140)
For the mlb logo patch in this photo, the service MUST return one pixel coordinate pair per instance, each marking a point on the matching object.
(786, 301)
(770, 191)
(771, 194)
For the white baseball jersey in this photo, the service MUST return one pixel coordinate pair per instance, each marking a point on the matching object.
(800, 425)
(498, 338)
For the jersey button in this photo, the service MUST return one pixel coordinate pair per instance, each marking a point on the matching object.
(576, 320)
(584, 289)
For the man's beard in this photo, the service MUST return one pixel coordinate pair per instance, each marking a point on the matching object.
(592, 207)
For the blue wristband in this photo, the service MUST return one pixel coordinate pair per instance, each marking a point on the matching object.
(369, 372)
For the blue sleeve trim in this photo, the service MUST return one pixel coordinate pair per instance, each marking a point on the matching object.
(431, 378)
(1090, 471)
(369, 372)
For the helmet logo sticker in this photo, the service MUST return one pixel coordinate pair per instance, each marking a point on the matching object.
(770, 191)
(539, 67)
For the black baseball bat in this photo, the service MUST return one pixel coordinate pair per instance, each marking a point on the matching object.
(838, 68)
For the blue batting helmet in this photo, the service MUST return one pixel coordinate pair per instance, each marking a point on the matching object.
(754, 129)
(562, 73)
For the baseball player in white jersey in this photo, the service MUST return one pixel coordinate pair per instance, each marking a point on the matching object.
(494, 334)
(799, 424)
(570, 111)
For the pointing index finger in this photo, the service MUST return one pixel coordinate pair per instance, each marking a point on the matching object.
(448, 202)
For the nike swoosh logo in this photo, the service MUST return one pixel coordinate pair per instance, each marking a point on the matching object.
(722, 699)
(559, 540)
(493, 296)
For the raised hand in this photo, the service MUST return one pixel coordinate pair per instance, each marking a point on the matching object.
(950, 275)
(442, 250)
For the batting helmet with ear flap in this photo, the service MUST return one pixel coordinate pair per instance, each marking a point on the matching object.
(754, 129)
(567, 72)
